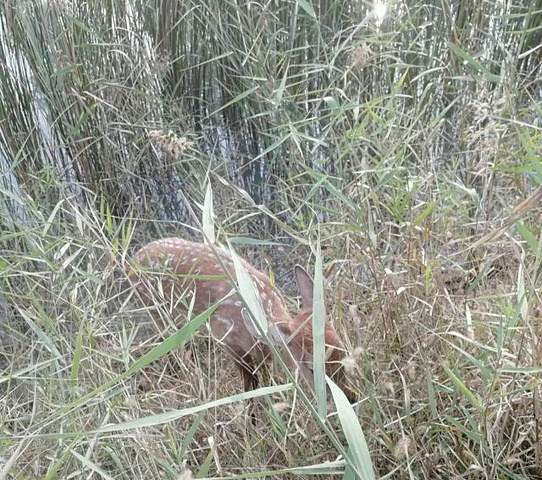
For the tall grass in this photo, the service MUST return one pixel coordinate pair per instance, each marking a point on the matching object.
(405, 145)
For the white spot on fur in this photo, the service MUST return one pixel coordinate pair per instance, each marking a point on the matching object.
(231, 303)
(169, 243)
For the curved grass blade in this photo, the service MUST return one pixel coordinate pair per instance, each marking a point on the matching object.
(358, 451)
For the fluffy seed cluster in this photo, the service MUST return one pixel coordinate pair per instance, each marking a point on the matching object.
(169, 143)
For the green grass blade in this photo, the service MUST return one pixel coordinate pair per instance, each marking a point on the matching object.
(460, 385)
(318, 334)
(92, 466)
(490, 77)
(250, 295)
(208, 223)
(172, 415)
(170, 343)
(360, 456)
(76, 362)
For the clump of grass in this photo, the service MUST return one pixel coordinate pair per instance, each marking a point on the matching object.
(405, 146)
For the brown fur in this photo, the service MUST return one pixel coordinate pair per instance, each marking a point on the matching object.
(169, 269)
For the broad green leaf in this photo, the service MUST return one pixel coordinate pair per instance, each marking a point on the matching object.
(307, 7)
(358, 451)
(490, 77)
(250, 295)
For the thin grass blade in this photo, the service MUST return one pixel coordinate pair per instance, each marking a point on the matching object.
(318, 334)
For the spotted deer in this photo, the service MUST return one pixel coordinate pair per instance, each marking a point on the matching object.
(172, 268)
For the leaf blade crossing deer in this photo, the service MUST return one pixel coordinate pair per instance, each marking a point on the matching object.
(170, 269)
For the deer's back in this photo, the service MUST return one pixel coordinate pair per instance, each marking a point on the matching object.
(172, 269)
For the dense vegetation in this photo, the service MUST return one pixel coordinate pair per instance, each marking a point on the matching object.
(405, 138)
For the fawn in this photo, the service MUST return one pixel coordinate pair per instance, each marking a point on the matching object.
(171, 268)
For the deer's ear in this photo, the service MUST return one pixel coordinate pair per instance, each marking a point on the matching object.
(306, 286)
